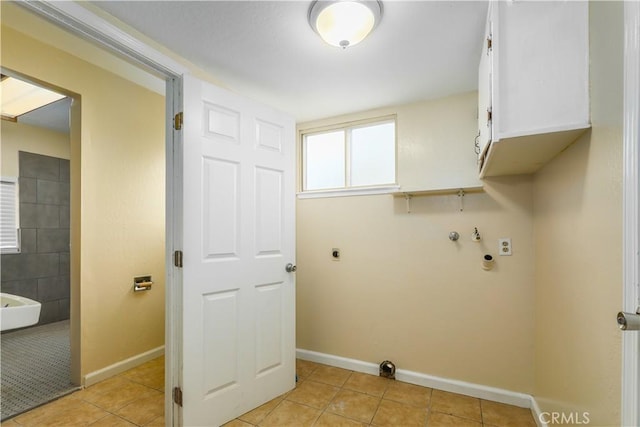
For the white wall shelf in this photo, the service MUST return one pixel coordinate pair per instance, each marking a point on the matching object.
(409, 194)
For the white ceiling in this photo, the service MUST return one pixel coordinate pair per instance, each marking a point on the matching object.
(266, 50)
(54, 116)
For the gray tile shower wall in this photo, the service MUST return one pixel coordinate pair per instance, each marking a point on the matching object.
(41, 270)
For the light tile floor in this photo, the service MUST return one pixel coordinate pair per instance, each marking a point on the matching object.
(133, 398)
(324, 396)
(328, 396)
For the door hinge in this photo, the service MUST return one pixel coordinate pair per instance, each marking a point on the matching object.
(489, 114)
(177, 396)
(177, 259)
(177, 121)
(489, 44)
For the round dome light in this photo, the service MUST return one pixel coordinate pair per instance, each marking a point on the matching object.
(344, 23)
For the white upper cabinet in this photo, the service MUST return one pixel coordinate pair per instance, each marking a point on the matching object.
(533, 92)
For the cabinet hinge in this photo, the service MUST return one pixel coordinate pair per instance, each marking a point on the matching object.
(177, 259)
(489, 44)
(489, 114)
(177, 396)
(177, 121)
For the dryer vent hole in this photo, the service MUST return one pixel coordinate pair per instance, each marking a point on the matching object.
(388, 370)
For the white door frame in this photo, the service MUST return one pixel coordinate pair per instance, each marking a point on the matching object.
(631, 223)
(87, 25)
(173, 241)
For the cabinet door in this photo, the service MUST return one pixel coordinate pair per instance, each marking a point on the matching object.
(485, 92)
(542, 55)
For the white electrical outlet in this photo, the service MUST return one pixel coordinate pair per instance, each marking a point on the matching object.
(504, 246)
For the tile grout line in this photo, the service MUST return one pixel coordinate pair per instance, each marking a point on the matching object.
(429, 412)
(379, 403)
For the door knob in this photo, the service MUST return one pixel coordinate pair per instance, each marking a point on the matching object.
(290, 268)
(629, 321)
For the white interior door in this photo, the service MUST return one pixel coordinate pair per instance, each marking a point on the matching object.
(238, 348)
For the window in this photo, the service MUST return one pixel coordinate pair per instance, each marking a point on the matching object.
(350, 157)
(9, 242)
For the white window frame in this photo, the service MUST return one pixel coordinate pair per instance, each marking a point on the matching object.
(12, 249)
(347, 190)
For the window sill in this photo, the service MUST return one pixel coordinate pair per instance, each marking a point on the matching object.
(347, 192)
(4, 251)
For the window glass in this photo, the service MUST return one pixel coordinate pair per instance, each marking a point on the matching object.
(356, 156)
(324, 160)
(373, 155)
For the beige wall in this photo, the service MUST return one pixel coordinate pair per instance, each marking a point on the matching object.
(117, 172)
(402, 290)
(22, 137)
(21, 19)
(578, 229)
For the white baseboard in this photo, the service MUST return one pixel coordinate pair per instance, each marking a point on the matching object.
(124, 365)
(537, 413)
(455, 386)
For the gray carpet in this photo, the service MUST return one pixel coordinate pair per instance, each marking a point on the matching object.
(35, 367)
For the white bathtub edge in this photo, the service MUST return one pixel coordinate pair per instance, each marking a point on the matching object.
(119, 367)
(23, 300)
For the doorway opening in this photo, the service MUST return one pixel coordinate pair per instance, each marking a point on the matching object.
(35, 239)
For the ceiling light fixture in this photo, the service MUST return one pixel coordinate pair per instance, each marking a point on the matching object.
(344, 23)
